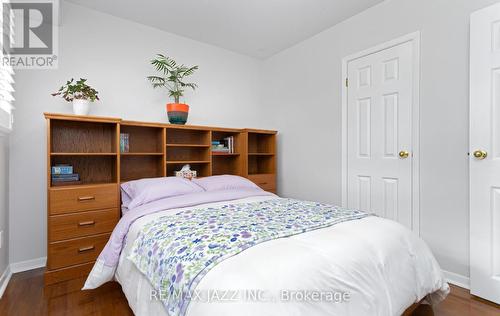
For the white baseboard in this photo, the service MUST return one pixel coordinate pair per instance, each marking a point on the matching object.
(457, 279)
(28, 265)
(4, 280)
(19, 267)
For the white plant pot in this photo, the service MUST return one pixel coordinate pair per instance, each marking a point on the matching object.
(81, 107)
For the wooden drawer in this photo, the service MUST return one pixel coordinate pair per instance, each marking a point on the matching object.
(81, 250)
(83, 198)
(76, 273)
(266, 181)
(83, 224)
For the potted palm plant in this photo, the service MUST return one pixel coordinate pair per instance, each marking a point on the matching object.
(172, 77)
(79, 93)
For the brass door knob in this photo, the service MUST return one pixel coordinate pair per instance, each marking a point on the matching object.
(403, 154)
(480, 154)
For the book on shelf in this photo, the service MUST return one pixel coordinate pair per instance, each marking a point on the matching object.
(230, 143)
(124, 143)
(62, 169)
(65, 177)
(225, 145)
(65, 183)
(220, 150)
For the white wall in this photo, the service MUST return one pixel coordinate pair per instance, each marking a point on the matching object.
(4, 191)
(305, 89)
(114, 55)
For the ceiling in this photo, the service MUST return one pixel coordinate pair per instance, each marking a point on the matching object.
(258, 28)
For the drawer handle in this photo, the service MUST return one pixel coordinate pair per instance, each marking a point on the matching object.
(86, 198)
(89, 223)
(263, 183)
(85, 249)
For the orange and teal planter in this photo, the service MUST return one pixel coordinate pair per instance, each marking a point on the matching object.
(177, 113)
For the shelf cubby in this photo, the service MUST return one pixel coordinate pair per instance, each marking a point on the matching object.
(144, 139)
(188, 153)
(93, 169)
(188, 137)
(261, 143)
(261, 165)
(228, 163)
(145, 156)
(90, 147)
(82, 137)
(134, 167)
(202, 167)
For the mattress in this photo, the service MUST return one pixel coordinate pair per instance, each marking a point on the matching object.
(372, 266)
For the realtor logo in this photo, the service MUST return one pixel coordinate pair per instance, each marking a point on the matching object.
(29, 34)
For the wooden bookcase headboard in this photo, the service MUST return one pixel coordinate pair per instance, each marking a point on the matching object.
(82, 216)
(91, 145)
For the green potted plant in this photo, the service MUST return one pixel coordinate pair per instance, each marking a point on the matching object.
(79, 93)
(172, 77)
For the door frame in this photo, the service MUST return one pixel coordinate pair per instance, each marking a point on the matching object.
(414, 38)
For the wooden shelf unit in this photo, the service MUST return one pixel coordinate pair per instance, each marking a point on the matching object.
(81, 216)
(91, 145)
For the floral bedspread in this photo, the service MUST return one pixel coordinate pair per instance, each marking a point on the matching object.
(177, 250)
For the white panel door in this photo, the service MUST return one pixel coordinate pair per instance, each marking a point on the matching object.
(485, 154)
(379, 109)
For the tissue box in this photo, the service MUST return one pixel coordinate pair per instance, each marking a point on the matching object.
(188, 174)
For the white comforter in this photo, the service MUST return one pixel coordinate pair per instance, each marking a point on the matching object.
(371, 266)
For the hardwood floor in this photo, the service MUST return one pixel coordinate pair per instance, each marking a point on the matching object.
(25, 295)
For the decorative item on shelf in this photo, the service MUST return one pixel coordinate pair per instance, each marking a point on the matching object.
(186, 172)
(172, 78)
(62, 174)
(124, 143)
(79, 93)
(62, 169)
(223, 146)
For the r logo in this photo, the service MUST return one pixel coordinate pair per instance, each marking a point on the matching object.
(28, 28)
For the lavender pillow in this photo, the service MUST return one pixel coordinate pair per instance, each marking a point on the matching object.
(139, 192)
(225, 182)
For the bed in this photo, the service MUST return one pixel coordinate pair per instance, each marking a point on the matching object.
(329, 261)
